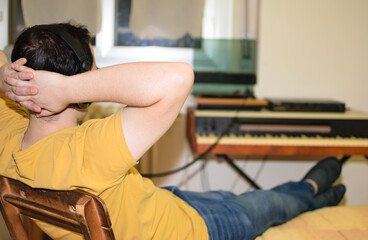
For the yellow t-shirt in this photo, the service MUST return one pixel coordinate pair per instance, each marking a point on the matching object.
(94, 157)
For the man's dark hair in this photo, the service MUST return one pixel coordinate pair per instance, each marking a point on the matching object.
(46, 51)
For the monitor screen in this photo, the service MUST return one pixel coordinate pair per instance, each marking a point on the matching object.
(225, 68)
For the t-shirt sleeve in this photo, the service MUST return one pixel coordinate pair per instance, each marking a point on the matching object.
(106, 157)
(11, 116)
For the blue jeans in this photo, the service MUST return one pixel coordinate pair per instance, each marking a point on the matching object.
(244, 216)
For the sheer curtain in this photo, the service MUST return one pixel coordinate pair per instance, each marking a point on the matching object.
(166, 18)
(85, 12)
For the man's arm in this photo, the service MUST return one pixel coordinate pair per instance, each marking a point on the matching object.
(153, 92)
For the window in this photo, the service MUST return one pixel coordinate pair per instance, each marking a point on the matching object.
(221, 20)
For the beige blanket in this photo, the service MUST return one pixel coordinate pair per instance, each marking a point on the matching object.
(335, 223)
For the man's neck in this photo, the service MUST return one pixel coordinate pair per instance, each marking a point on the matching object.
(39, 128)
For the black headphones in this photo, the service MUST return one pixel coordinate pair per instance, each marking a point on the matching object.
(77, 49)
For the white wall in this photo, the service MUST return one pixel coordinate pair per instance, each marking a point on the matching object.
(308, 48)
(314, 48)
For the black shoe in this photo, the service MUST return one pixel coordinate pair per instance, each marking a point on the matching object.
(331, 197)
(325, 173)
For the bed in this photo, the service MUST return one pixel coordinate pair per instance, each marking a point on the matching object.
(335, 223)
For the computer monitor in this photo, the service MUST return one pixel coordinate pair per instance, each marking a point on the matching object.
(225, 68)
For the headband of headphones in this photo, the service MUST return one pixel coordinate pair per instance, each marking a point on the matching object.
(77, 49)
(72, 43)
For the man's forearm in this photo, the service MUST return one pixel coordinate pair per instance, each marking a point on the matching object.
(134, 84)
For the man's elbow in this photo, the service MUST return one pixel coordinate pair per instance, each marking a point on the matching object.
(184, 77)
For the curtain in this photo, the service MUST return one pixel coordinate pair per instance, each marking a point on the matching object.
(170, 19)
(85, 12)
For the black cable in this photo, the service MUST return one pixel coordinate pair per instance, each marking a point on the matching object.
(164, 174)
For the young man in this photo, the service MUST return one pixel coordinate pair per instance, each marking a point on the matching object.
(50, 150)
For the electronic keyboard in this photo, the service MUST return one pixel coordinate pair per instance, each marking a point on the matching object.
(279, 133)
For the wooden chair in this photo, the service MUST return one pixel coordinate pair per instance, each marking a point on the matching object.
(73, 210)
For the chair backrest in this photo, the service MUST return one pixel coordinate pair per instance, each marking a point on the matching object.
(73, 210)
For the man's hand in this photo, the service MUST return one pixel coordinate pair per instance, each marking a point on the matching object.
(6, 71)
(44, 89)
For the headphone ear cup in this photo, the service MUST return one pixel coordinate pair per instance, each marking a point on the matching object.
(85, 67)
(80, 105)
(83, 105)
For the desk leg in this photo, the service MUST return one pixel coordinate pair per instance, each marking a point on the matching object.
(240, 171)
